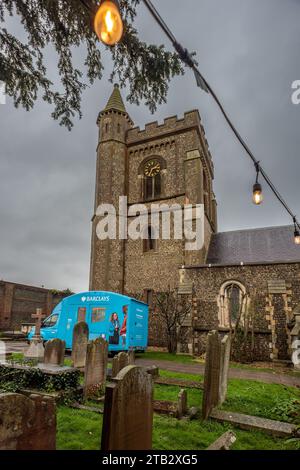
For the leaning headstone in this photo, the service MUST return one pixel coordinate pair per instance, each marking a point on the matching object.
(95, 366)
(224, 368)
(211, 374)
(119, 361)
(2, 352)
(55, 352)
(128, 411)
(27, 423)
(36, 348)
(79, 344)
(182, 407)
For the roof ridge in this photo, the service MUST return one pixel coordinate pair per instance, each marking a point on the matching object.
(254, 229)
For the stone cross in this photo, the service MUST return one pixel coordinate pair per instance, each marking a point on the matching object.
(128, 411)
(38, 316)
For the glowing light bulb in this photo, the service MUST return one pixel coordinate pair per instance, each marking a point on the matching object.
(108, 22)
(297, 237)
(257, 194)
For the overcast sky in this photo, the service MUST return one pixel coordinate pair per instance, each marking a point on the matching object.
(247, 49)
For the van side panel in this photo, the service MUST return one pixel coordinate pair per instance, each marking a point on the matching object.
(139, 314)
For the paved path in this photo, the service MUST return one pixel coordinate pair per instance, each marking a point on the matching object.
(234, 373)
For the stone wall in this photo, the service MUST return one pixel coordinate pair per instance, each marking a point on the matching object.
(272, 311)
(18, 302)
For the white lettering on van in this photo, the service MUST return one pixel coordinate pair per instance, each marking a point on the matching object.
(99, 299)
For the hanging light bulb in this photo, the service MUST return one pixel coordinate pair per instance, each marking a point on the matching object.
(108, 23)
(257, 189)
(297, 237)
(296, 233)
(257, 194)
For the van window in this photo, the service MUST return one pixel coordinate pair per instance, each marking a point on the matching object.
(98, 314)
(81, 314)
(51, 321)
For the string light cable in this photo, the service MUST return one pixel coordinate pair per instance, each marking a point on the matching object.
(188, 59)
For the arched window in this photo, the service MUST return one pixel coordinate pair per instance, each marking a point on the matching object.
(149, 242)
(152, 187)
(232, 304)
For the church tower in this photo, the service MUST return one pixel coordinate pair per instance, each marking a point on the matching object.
(167, 164)
(107, 256)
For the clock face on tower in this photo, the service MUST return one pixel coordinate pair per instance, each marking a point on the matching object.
(152, 168)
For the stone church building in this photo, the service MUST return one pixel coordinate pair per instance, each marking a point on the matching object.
(249, 277)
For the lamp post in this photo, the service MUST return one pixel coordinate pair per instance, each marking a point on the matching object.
(108, 23)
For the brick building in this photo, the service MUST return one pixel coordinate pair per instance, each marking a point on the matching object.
(18, 302)
(249, 279)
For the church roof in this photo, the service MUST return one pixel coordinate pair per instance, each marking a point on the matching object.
(261, 245)
(115, 101)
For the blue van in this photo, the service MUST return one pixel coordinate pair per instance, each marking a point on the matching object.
(119, 319)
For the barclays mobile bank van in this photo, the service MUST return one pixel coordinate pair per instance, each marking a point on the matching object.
(121, 320)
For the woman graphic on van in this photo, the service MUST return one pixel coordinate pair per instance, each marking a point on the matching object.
(114, 329)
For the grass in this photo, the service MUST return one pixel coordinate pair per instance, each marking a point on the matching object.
(164, 356)
(78, 429)
(81, 430)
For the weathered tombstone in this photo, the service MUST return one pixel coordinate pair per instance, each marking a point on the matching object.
(182, 407)
(36, 348)
(79, 344)
(95, 366)
(131, 357)
(55, 352)
(211, 374)
(119, 361)
(224, 368)
(2, 352)
(224, 442)
(27, 423)
(128, 411)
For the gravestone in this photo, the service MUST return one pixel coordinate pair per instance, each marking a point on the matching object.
(27, 423)
(216, 372)
(119, 361)
(36, 348)
(55, 352)
(131, 357)
(128, 411)
(182, 407)
(211, 374)
(224, 368)
(79, 344)
(95, 366)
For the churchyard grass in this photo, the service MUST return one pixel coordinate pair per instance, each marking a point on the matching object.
(78, 429)
(165, 356)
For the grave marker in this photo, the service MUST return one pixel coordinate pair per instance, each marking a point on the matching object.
(27, 423)
(79, 344)
(128, 411)
(119, 361)
(55, 352)
(95, 366)
(36, 348)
